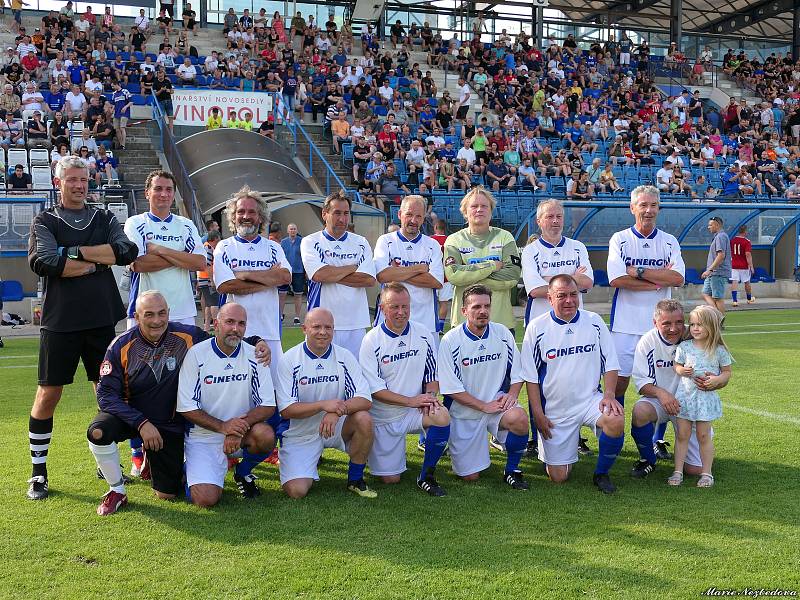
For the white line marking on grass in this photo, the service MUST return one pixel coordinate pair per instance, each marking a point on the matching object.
(761, 325)
(763, 413)
(762, 332)
(21, 356)
(19, 366)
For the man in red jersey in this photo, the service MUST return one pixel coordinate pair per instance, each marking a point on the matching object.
(741, 266)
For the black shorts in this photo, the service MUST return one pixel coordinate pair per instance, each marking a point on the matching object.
(166, 106)
(166, 465)
(298, 285)
(462, 111)
(209, 294)
(59, 353)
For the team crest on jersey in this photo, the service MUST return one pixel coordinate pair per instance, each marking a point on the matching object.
(105, 368)
(171, 363)
(234, 263)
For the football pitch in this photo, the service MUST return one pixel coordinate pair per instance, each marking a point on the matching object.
(482, 540)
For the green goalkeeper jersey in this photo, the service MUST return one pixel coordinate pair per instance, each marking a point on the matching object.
(469, 259)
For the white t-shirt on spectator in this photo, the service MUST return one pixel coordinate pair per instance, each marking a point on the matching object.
(464, 96)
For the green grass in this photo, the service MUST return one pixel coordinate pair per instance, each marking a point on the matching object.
(481, 541)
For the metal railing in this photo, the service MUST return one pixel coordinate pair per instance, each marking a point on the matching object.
(183, 184)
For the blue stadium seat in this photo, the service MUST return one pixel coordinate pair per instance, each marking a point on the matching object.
(11, 290)
(762, 275)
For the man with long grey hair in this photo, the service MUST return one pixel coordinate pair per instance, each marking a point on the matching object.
(249, 268)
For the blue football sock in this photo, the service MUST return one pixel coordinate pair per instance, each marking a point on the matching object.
(620, 399)
(661, 431)
(749, 296)
(435, 443)
(515, 446)
(735, 295)
(608, 450)
(355, 472)
(249, 462)
(136, 447)
(422, 437)
(643, 436)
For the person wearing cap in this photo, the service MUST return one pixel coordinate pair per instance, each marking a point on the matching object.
(37, 131)
(11, 133)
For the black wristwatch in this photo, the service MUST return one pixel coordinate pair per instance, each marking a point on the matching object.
(639, 272)
(74, 253)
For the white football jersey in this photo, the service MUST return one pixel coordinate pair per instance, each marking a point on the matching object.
(481, 366)
(653, 362)
(223, 386)
(174, 232)
(305, 377)
(542, 259)
(394, 250)
(348, 304)
(632, 311)
(567, 359)
(402, 364)
(260, 254)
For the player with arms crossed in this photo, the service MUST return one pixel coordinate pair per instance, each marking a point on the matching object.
(480, 379)
(227, 396)
(339, 267)
(398, 359)
(409, 257)
(552, 254)
(323, 394)
(655, 377)
(742, 266)
(249, 268)
(644, 263)
(169, 248)
(564, 354)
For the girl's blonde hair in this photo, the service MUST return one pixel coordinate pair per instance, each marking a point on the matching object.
(711, 319)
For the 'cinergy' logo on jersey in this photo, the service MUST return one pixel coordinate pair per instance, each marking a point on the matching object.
(556, 352)
(664, 364)
(646, 262)
(560, 263)
(245, 262)
(224, 378)
(479, 359)
(320, 379)
(342, 255)
(150, 236)
(399, 262)
(390, 358)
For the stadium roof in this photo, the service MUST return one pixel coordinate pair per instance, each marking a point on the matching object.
(740, 18)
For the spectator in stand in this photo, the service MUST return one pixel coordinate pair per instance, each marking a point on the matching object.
(106, 166)
(340, 130)
(59, 130)
(37, 131)
(187, 73)
(189, 18)
(19, 179)
(11, 134)
(214, 120)
(9, 102)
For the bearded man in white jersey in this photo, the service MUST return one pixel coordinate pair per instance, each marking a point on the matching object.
(656, 380)
(340, 268)
(398, 359)
(326, 400)
(552, 254)
(227, 396)
(249, 269)
(564, 354)
(479, 376)
(644, 263)
(407, 256)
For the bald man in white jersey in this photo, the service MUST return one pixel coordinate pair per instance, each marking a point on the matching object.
(644, 263)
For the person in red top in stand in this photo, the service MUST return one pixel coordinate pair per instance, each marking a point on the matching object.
(388, 135)
(741, 266)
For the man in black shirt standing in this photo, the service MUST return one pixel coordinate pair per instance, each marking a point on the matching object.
(72, 247)
(162, 88)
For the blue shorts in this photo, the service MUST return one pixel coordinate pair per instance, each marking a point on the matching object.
(714, 286)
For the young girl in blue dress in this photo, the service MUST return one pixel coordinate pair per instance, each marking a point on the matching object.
(702, 362)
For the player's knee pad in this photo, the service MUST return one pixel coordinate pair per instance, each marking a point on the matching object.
(98, 435)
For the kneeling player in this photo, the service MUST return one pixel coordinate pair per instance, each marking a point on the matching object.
(564, 354)
(657, 382)
(479, 377)
(326, 399)
(393, 356)
(227, 396)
